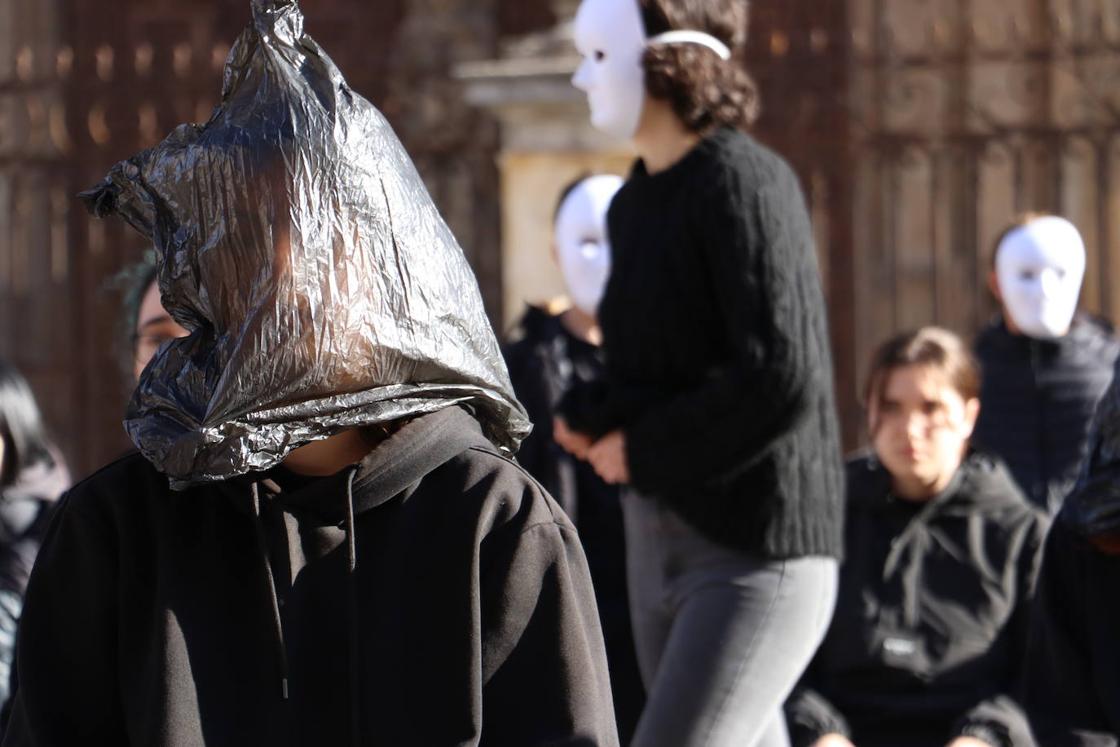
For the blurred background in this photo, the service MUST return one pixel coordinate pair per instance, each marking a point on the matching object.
(918, 128)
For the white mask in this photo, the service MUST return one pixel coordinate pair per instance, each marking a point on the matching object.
(1039, 268)
(580, 234)
(611, 37)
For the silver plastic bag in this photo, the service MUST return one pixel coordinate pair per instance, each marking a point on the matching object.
(322, 288)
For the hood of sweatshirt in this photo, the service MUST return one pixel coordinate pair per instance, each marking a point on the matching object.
(982, 481)
(321, 287)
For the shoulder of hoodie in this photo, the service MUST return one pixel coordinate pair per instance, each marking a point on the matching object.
(995, 493)
(989, 485)
(513, 500)
(126, 487)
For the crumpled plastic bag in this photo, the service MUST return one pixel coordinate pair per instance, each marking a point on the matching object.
(298, 244)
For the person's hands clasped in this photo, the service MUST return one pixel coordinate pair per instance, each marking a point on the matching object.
(833, 740)
(575, 443)
(608, 457)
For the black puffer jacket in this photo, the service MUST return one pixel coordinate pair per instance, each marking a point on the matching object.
(931, 621)
(1038, 398)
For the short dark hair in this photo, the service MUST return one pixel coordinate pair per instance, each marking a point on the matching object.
(704, 90)
(932, 347)
(133, 283)
(21, 426)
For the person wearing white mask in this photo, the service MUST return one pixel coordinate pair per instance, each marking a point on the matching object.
(552, 348)
(1045, 367)
(715, 411)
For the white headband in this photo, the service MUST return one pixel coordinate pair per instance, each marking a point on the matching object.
(692, 37)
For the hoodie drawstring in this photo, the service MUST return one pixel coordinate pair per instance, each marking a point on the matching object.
(262, 543)
(355, 664)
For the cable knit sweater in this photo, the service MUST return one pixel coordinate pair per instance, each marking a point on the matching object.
(716, 339)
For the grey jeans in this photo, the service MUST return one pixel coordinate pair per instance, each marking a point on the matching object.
(721, 636)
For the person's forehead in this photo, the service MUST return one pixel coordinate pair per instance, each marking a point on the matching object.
(1035, 253)
(917, 381)
(605, 23)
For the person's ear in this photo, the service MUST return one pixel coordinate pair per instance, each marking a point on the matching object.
(971, 413)
(554, 252)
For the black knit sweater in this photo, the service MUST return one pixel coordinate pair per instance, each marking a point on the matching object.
(716, 339)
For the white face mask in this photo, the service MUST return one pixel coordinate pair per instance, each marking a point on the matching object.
(1039, 268)
(582, 248)
(611, 37)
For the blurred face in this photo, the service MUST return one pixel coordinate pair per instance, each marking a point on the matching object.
(154, 326)
(920, 427)
(580, 238)
(611, 38)
(1039, 269)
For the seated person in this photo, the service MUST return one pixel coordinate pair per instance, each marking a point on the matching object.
(929, 633)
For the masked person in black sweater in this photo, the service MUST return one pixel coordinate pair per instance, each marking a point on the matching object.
(1044, 366)
(550, 352)
(324, 540)
(716, 407)
(1073, 666)
(927, 644)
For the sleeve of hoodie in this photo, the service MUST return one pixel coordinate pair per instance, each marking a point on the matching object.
(1001, 720)
(1059, 691)
(67, 638)
(811, 716)
(757, 245)
(544, 666)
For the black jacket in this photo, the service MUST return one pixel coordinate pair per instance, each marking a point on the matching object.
(931, 621)
(544, 361)
(1073, 667)
(718, 362)
(213, 616)
(1038, 399)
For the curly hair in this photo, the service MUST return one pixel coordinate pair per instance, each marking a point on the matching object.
(704, 90)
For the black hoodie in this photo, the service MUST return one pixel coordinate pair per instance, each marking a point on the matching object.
(227, 614)
(930, 628)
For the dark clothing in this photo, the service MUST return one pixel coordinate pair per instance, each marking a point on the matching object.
(1073, 666)
(544, 361)
(25, 510)
(1038, 398)
(1073, 663)
(931, 623)
(718, 364)
(180, 618)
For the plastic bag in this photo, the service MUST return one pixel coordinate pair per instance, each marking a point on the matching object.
(322, 288)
